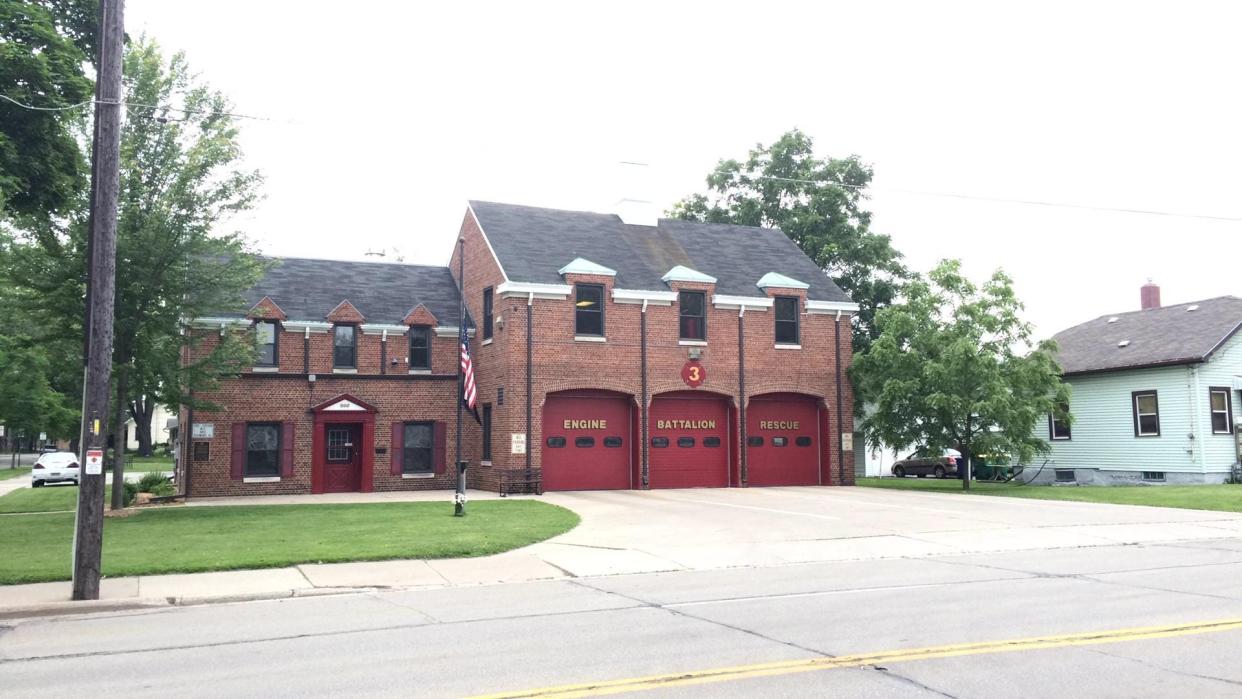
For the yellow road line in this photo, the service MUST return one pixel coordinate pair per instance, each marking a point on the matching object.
(788, 667)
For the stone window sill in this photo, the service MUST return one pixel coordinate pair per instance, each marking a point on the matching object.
(418, 475)
(265, 369)
(789, 347)
(485, 463)
(261, 479)
(344, 371)
(487, 342)
(589, 338)
(692, 343)
(420, 371)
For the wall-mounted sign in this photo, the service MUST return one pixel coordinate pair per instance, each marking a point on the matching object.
(517, 443)
(693, 373)
(778, 424)
(847, 441)
(43, 436)
(204, 430)
(344, 406)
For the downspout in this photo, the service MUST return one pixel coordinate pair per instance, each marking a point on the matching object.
(1196, 450)
(384, 352)
(187, 443)
(644, 467)
(744, 469)
(836, 339)
(306, 351)
(530, 353)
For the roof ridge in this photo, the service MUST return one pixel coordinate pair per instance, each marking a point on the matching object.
(352, 262)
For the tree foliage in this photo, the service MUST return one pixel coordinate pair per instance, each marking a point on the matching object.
(44, 45)
(181, 179)
(818, 203)
(949, 370)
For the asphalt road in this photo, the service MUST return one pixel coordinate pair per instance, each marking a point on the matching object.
(734, 632)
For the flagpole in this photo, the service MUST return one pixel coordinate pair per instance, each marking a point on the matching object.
(459, 500)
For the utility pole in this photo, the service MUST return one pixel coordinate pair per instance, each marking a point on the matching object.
(101, 287)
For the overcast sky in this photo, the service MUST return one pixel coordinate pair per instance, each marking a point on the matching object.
(389, 116)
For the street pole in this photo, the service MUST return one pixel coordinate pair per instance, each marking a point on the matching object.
(459, 501)
(101, 266)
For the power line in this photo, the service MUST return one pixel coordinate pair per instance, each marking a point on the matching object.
(1005, 200)
(79, 105)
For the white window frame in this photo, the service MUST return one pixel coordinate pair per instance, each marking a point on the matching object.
(1227, 412)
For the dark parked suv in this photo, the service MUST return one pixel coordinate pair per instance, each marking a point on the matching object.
(921, 464)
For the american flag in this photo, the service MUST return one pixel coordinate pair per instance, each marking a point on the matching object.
(469, 394)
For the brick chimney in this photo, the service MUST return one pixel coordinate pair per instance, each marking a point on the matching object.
(1150, 295)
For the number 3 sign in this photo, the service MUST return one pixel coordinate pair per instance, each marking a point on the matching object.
(693, 373)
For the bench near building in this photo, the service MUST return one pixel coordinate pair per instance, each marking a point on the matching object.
(607, 356)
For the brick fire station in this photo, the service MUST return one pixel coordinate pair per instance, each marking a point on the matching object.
(607, 355)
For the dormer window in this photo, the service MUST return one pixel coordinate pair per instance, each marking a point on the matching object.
(589, 310)
(692, 309)
(787, 330)
(265, 336)
(344, 347)
(420, 347)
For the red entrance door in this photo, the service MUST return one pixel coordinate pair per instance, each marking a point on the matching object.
(342, 459)
(689, 441)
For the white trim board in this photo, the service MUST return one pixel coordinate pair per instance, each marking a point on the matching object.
(657, 298)
(510, 289)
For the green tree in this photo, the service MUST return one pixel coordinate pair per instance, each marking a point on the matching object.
(181, 179)
(818, 203)
(44, 45)
(949, 370)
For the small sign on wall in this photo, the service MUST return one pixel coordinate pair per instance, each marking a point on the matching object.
(517, 443)
(847, 441)
(204, 430)
(94, 462)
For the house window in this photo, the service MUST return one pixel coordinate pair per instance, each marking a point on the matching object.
(262, 449)
(487, 432)
(265, 335)
(1146, 414)
(1065, 475)
(787, 320)
(1220, 402)
(1153, 475)
(1058, 426)
(420, 347)
(692, 307)
(416, 448)
(344, 346)
(589, 310)
(487, 313)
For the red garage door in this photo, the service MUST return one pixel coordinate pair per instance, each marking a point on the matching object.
(586, 441)
(689, 435)
(782, 437)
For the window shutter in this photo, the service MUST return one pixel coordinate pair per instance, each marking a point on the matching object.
(237, 465)
(438, 454)
(397, 452)
(286, 449)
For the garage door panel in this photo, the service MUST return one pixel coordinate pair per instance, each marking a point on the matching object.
(689, 442)
(782, 445)
(586, 442)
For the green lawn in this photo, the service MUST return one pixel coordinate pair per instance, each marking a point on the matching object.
(7, 473)
(37, 548)
(1227, 498)
(49, 498)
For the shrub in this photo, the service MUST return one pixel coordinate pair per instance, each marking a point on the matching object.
(163, 490)
(131, 492)
(150, 481)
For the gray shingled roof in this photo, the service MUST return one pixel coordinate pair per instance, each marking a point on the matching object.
(1157, 337)
(307, 289)
(532, 243)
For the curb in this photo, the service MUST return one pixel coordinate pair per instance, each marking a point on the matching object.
(68, 608)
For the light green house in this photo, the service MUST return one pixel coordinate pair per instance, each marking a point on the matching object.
(1156, 395)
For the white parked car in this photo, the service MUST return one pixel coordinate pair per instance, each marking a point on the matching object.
(55, 467)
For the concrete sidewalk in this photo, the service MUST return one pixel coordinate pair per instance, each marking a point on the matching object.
(659, 531)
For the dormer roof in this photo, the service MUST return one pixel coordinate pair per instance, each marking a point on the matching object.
(581, 265)
(780, 281)
(681, 273)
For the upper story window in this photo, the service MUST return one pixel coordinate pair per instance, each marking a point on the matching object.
(487, 313)
(1220, 403)
(266, 337)
(1146, 408)
(420, 347)
(692, 307)
(344, 346)
(787, 330)
(1059, 427)
(589, 310)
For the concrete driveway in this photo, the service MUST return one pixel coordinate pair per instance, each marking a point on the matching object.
(632, 531)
